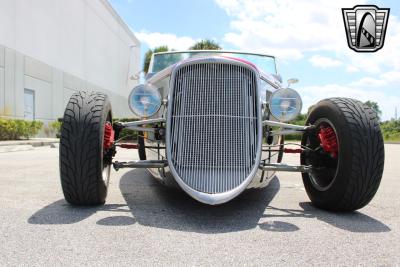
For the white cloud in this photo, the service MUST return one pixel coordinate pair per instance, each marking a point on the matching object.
(312, 94)
(351, 68)
(324, 62)
(288, 29)
(392, 77)
(389, 79)
(386, 58)
(281, 25)
(381, 88)
(154, 39)
(369, 82)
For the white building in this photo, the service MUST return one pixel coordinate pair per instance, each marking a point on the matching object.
(51, 48)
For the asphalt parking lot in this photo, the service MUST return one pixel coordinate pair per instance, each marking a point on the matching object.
(145, 224)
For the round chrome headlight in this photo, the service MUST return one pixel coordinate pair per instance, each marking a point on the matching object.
(145, 100)
(285, 104)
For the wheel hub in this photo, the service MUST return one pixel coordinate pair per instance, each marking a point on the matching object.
(328, 139)
(322, 155)
(108, 136)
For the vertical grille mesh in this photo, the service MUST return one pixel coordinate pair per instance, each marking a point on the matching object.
(213, 133)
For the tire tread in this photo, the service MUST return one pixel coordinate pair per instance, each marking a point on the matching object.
(367, 151)
(80, 149)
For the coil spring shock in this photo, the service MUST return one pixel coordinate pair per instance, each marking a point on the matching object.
(328, 139)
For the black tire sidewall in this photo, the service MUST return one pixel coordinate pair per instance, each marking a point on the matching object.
(91, 111)
(331, 196)
(141, 149)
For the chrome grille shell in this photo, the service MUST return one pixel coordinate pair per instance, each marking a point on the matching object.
(214, 132)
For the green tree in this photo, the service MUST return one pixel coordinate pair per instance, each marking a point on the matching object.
(375, 107)
(299, 120)
(149, 53)
(206, 44)
(391, 130)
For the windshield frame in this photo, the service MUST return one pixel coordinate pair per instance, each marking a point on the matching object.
(150, 70)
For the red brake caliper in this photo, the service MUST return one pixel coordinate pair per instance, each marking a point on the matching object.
(328, 139)
(108, 136)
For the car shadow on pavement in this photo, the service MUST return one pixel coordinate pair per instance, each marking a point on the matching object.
(60, 212)
(349, 221)
(155, 205)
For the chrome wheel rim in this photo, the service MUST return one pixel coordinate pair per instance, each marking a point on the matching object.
(106, 173)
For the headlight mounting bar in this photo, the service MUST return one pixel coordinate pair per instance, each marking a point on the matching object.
(286, 128)
(137, 125)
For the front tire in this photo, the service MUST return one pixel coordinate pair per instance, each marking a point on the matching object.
(84, 166)
(142, 146)
(345, 179)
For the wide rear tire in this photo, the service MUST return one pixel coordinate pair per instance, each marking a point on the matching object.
(84, 166)
(346, 180)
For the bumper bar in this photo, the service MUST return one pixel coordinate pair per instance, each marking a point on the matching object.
(286, 128)
(285, 125)
(284, 167)
(142, 122)
(138, 125)
(140, 164)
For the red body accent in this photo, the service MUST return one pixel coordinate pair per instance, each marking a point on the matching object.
(129, 145)
(242, 60)
(328, 139)
(292, 150)
(108, 136)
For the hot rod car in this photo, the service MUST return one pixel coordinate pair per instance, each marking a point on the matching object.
(213, 124)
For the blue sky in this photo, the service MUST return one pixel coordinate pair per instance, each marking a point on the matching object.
(307, 38)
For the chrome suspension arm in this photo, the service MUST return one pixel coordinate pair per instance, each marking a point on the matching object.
(142, 122)
(284, 167)
(285, 125)
(137, 125)
(286, 128)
